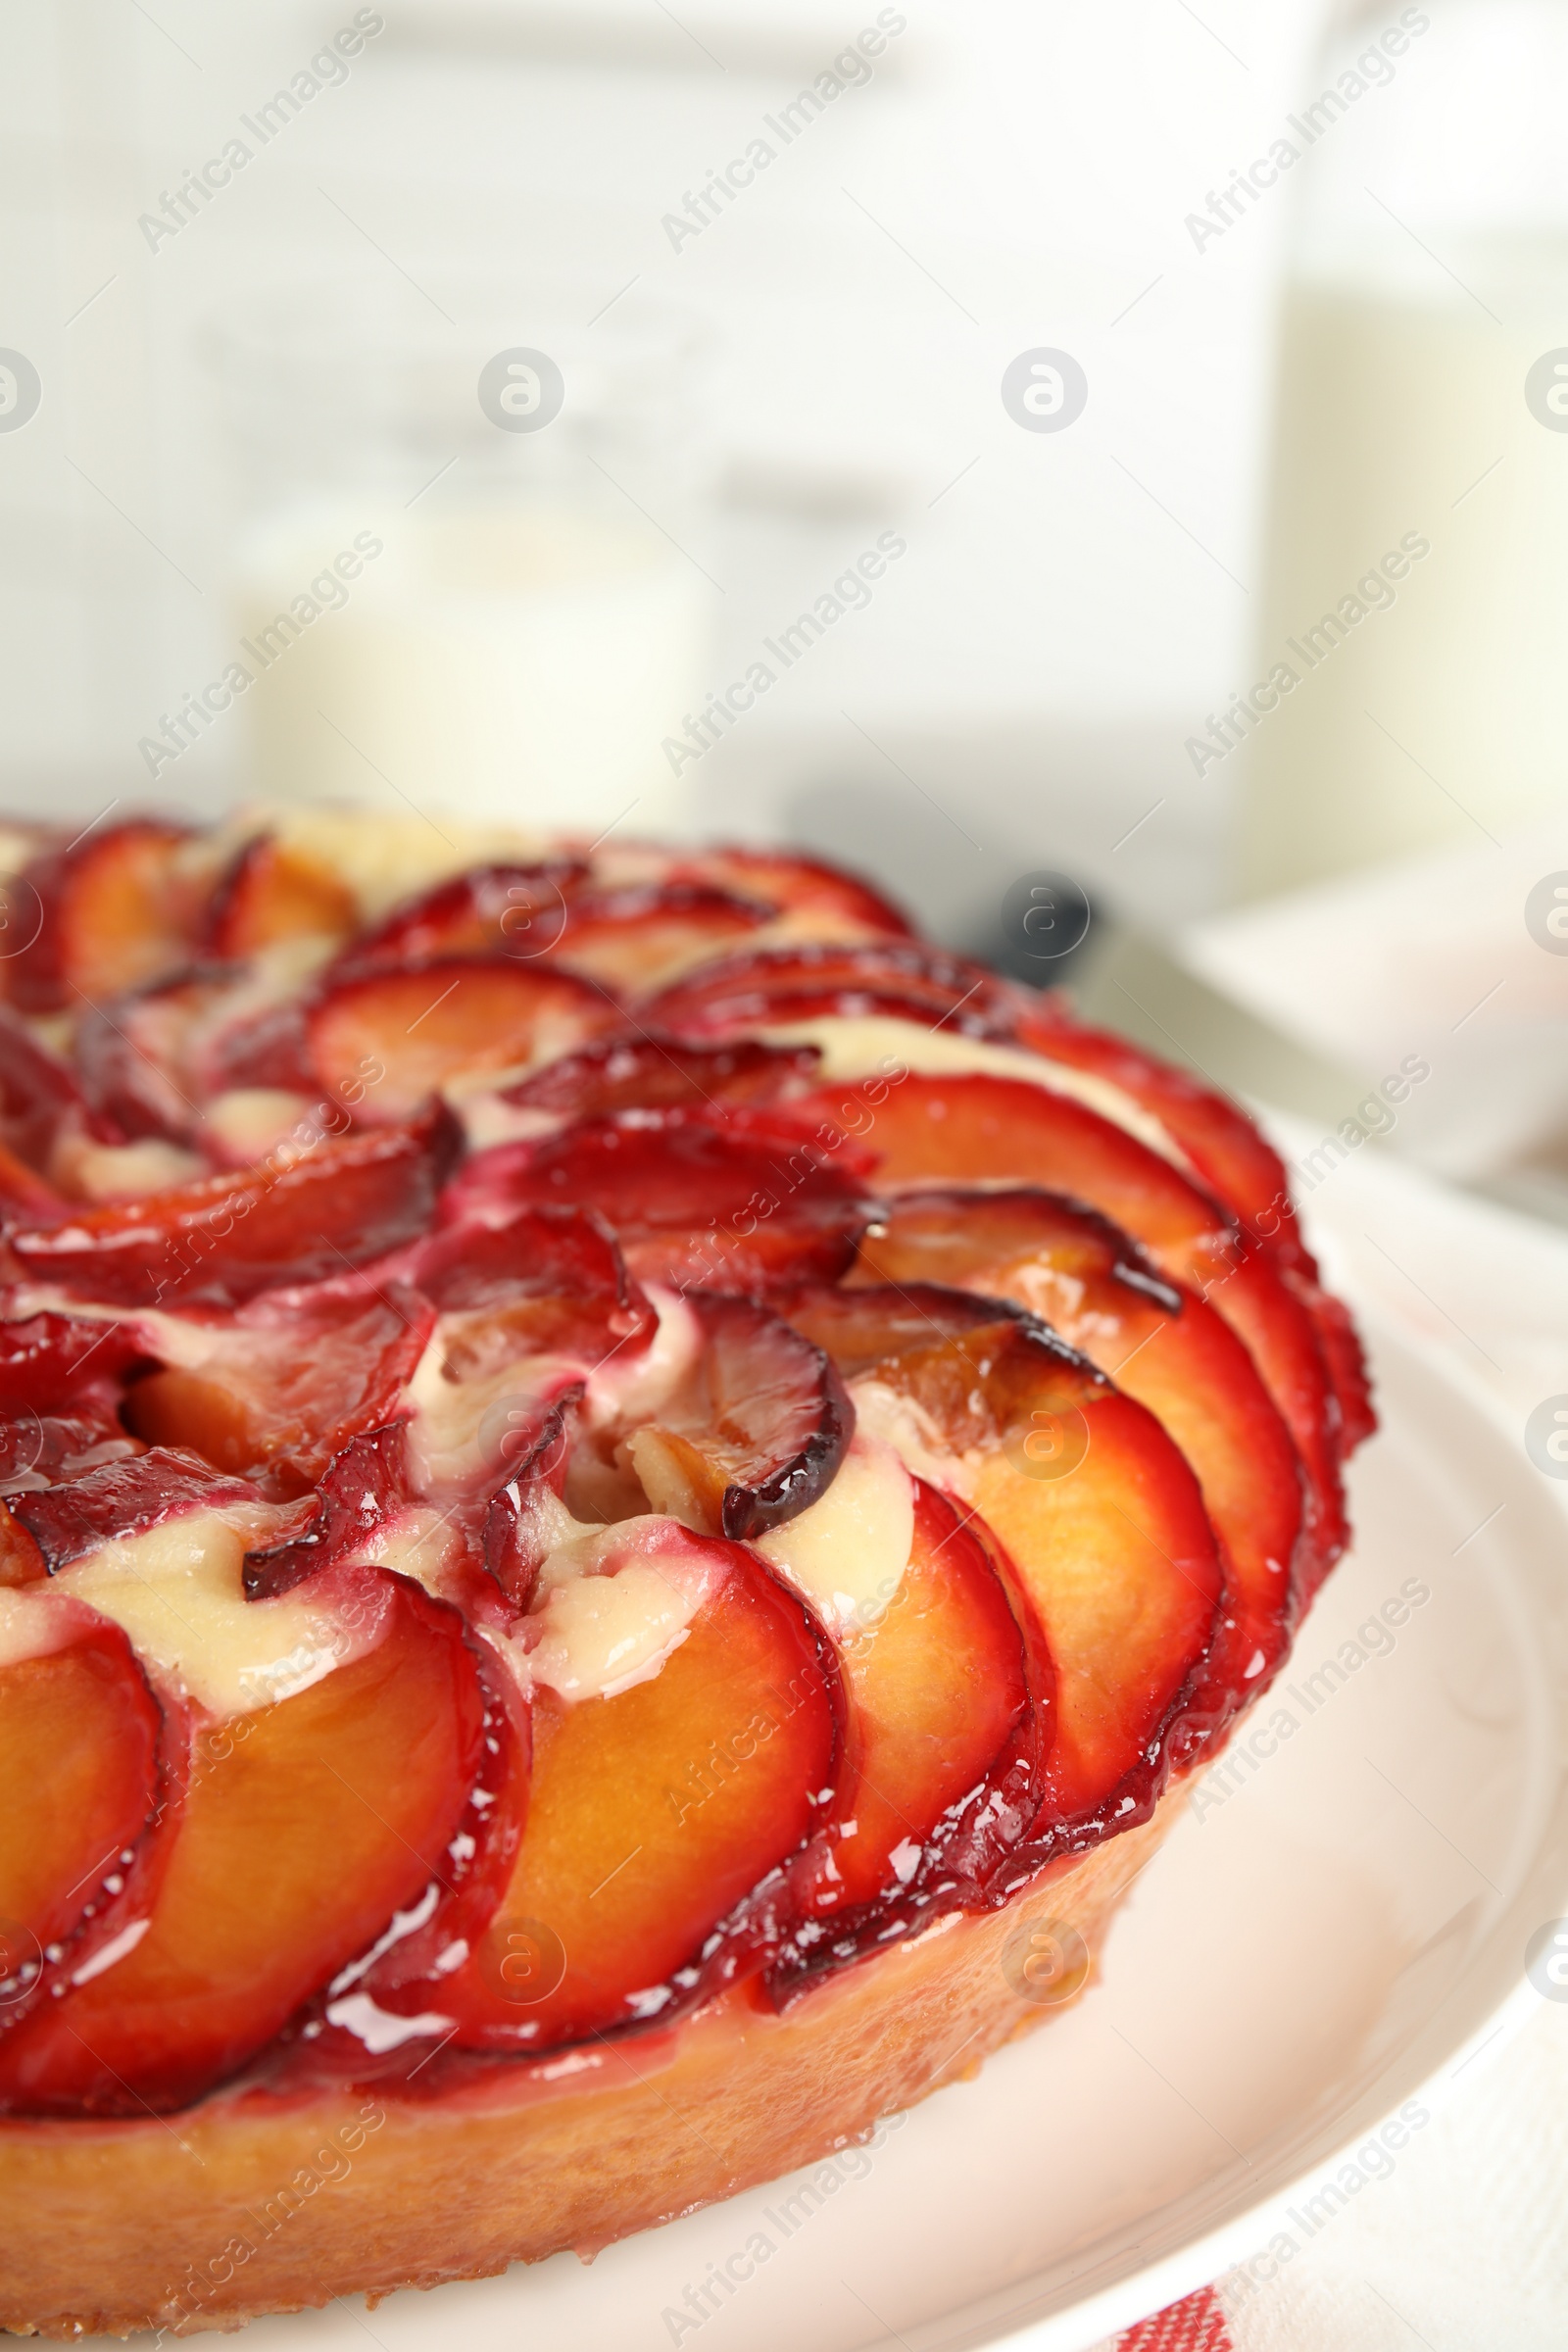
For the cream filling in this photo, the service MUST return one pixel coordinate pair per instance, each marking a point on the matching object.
(418, 1542)
(848, 1550)
(914, 1434)
(391, 856)
(178, 1340)
(487, 1119)
(598, 1630)
(462, 1428)
(176, 1591)
(637, 1387)
(603, 1634)
(33, 1625)
(248, 1120)
(870, 1045)
(121, 1171)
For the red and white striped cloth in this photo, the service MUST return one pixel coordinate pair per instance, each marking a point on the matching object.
(1195, 2325)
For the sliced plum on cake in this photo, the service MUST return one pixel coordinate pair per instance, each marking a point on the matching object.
(208, 1059)
(55, 1363)
(759, 1440)
(41, 1102)
(1094, 1507)
(730, 1422)
(134, 1054)
(276, 1390)
(115, 909)
(728, 1201)
(771, 988)
(79, 1735)
(275, 893)
(1162, 1345)
(330, 1741)
(382, 1042)
(545, 1278)
(756, 1432)
(116, 1501)
(775, 988)
(948, 1692)
(512, 910)
(364, 1500)
(987, 1130)
(686, 1719)
(944, 1728)
(663, 1073)
(1237, 1163)
(823, 900)
(60, 1390)
(638, 937)
(317, 1204)
(528, 1308)
(502, 1322)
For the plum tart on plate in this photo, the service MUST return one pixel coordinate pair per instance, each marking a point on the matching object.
(625, 1492)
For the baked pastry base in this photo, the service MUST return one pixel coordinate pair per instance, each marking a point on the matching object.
(253, 2203)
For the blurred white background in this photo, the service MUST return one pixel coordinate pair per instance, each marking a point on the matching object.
(1041, 678)
(1015, 174)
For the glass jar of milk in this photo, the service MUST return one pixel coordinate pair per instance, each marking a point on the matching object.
(1414, 616)
(470, 569)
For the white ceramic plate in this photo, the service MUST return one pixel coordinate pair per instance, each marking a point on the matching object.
(1332, 1933)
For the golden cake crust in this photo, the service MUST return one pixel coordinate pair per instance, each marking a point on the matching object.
(254, 2203)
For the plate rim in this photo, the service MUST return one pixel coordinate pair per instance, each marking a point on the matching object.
(1204, 2259)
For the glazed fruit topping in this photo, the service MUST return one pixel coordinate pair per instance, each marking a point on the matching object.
(842, 904)
(382, 1042)
(622, 1430)
(79, 1733)
(989, 1130)
(634, 939)
(528, 1511)
(754, 1434)
(546, 1279)
(773, 986)
(303, 1827)
(273, 894)
(38, 1095)
(661, 1797)
(732, 1204)
(656, 1073)
(362, 1490)
(131, 1053)
(947, 1727)
(528, 1307)
(318, 1204)
(1095, 1507)
(49, 1362)
(1161, 1343)
(513, 910)
(122, 1498)
(114, 911)
(277, 1390)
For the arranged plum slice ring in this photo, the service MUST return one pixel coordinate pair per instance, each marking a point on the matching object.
(611, 1468)
(1117, 1558)
(1161, 1343)
(905, 981)
(1003, 1129)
